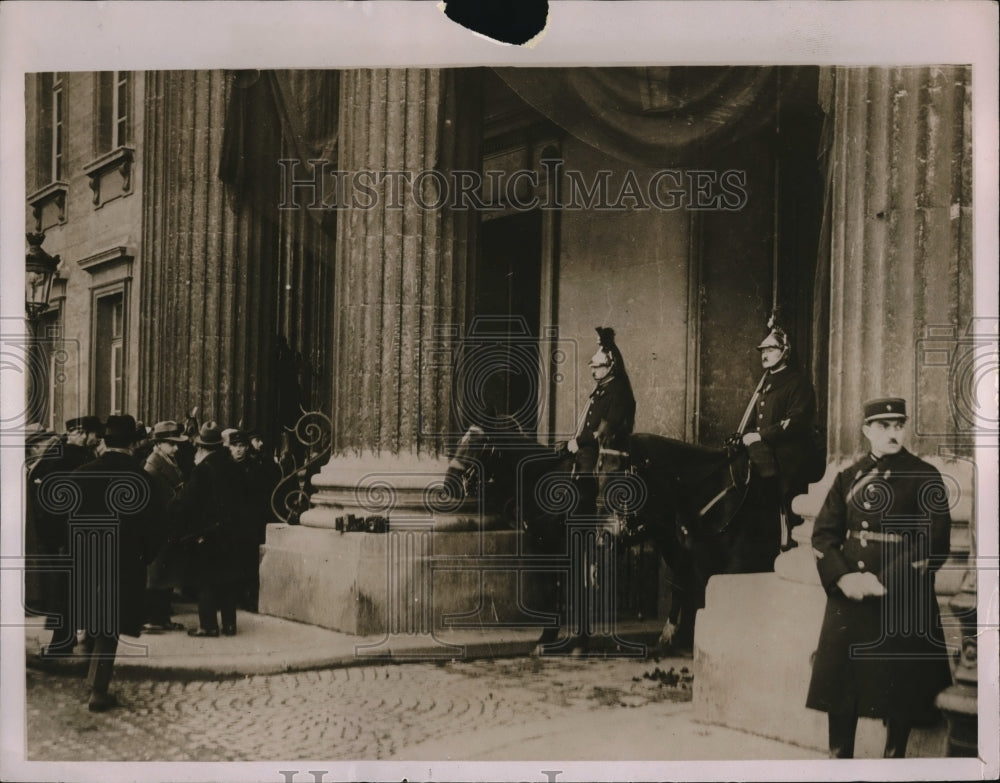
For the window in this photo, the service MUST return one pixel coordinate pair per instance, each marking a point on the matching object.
(109, 355)
(51, 128)
(114, 110)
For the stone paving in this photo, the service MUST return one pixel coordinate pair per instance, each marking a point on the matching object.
(482, 709)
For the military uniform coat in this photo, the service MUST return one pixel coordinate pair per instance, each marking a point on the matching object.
(610, 418)
(136, 532)
(883, 517)
(784, 417)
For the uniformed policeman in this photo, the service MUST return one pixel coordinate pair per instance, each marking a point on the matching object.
(882, 533)
(778, 434)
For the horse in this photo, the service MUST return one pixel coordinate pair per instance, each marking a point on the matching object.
(681, 497)
(688, 500)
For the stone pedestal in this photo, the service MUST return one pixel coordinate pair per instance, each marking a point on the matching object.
(408, 581)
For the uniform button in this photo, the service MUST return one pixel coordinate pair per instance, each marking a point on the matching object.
(867, 505)
(762, 403)
(864, 523)
(864, 542)
(861, 564)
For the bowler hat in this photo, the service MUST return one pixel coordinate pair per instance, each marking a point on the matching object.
(85, 423)
(119, 432)
(885, 408)
(169, 431)
(209, 436)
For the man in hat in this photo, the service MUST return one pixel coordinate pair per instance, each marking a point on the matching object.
(116, 498)
(206, 513)
(778, 434)
(882, 533)
(166, 571)
(75, 448)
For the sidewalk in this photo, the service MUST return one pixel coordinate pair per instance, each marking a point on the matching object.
(270, 645)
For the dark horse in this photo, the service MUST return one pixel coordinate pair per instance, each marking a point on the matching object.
(682, 498)
(688, 500)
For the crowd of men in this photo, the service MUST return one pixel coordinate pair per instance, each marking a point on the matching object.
(188, 510)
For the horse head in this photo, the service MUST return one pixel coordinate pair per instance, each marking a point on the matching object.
(467, 466)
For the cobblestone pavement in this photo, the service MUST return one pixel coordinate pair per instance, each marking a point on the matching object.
(369, 712)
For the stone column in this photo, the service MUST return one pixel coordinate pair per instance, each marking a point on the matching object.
(400, 290)
(206, 261)
(399, 309)
(901, 246)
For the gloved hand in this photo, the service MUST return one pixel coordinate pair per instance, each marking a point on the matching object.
(857, 586)
(734, 443)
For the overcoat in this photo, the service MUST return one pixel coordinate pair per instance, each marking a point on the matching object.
(885, 656)
(206, 514)
(61, 457)
(167, 569)
(51, 534)
(114, 487)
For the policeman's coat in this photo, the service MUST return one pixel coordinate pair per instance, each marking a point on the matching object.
(883, 656)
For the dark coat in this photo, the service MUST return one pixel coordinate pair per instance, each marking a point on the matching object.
(785, 416)
(135, 526)
(903, 663)
(608, 423)
(169, 472)
(206, 514)
(167, 569)
(61, 457)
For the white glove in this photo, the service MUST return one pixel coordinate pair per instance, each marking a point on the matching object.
(858, 586)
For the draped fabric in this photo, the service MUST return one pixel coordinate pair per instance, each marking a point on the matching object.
(295, 112)
(653, 116)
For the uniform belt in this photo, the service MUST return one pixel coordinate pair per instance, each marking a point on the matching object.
(870, 535)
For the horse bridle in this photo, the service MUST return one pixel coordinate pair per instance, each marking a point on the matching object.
(468, 466)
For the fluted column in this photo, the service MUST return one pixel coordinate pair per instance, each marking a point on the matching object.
(901, 245)
(207, 262)
(400, 294)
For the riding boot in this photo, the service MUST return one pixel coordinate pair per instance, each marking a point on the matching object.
(843, 727)
(897, 734)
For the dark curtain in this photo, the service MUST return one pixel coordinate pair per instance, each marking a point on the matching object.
(273, 115)
(652, 117)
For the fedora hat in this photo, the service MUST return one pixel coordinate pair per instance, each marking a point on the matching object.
(169, 431)
(209, 436)
(85, 423)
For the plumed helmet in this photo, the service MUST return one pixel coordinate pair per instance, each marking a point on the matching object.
(776, 338)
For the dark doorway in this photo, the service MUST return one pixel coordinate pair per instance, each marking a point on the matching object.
(501, 378)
